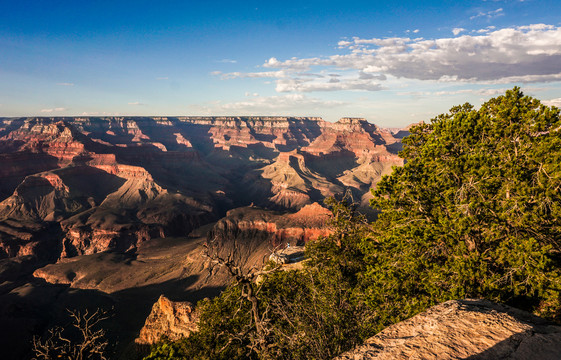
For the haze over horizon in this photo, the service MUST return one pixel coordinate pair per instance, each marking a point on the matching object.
(391, 64)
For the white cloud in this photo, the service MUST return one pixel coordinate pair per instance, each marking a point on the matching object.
(264, 74)
(227, 61)
(273, 105)
(553, 102)
(526, 79)
(483, 31)
(334, 84)
(287, 80)
(136, 103)
(280, 102)
(65, 84)
(537, 27)
(58, 109)
(524, 54)
(416, 31)
(489, 14)
(456, 31)
(511, 52)
(484, 91)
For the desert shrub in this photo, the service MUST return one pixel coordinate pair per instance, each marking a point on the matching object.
(318, 312)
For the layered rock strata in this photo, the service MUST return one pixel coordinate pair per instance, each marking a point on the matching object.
(89, 184)
(250, 235)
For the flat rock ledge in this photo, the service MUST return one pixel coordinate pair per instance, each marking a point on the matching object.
(465, 329)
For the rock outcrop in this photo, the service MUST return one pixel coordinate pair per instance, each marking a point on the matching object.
(252, 222)
(465, 329)
(169, 319)
(251, 234)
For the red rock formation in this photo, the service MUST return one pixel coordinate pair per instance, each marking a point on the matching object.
(169, 319)
(353, 135)
(251, 234)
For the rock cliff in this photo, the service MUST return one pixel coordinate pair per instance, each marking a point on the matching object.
(251, 234)
(169, 319)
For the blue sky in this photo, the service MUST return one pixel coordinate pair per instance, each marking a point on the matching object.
(392, 63)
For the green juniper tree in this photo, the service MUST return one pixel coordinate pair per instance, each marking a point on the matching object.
(475, 211)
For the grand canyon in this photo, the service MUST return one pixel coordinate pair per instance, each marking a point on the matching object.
(112, 212)
(280, 180)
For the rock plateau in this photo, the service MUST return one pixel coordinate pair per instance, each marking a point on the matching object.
(250, 235)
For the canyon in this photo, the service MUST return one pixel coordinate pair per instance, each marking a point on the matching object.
(113, 183)
(113, 212)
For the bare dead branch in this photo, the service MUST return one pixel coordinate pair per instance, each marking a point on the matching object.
(91, 343)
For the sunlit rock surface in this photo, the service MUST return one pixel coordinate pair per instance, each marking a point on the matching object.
(168, 319)
(465, 329)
